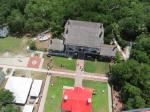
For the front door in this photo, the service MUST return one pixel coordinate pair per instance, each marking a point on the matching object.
(81, 53)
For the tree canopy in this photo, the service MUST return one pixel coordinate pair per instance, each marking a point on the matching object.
(125, 20)
(133, 80)
(32, 16)
(6, 102)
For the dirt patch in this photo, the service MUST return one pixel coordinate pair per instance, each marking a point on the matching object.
(42, 44)
(117, 104)
(31, 74)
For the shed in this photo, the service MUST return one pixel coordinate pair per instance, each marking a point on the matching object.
(36, 88)
(56, 45)
(3, 30)
(108, 50)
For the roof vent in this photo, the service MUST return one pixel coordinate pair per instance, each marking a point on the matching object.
(67, 31)
(100, 35)
(89, 100)
(65, 98)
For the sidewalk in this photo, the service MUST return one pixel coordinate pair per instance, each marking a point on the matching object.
(79, 73)
(45, 91)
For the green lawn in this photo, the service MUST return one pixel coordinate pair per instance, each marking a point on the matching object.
(96, 67)
(69, 64)
(12, 44)
(100, 99)
(2, 85)
(55, 92)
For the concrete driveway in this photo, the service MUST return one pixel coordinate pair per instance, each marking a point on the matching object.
(22, 62)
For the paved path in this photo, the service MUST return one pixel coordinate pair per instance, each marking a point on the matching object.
(79, 73)
(120, 50)
(14, 61)
(60, 73)
(109, 98)
(44, 95)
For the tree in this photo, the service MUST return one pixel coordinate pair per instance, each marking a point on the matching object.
(16, 21)
(143, 44)
(129, 28)
(6, 102)
(140, 56)
(6, 97)
(118, 57)
(130, 91)
(32, 45)
(122, 72)
(10, 108)
(132, 80)
(135, 102)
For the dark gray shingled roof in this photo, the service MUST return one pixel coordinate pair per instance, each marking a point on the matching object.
(56, 44)
(108, 50)
(82, 33)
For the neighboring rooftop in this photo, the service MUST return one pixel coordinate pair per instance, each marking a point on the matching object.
(56, 44)
(20, 87)
(108, 50)
(83, 33)
(77, 100)
(36, 88)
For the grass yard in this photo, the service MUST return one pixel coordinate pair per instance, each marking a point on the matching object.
(55, 92)
(100, 99)
(58, 61)
(12, 44)
(96, 67)
(2, 85)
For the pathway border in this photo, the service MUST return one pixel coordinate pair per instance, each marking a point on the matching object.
(44, 95)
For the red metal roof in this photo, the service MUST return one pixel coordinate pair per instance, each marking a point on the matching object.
(77, 100)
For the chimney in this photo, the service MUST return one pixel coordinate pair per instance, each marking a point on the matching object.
(89, 101)
(65, 98)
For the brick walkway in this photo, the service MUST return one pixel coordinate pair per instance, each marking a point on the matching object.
(34, 62)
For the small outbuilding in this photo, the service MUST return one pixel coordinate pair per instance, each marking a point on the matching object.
(3, 30)
(36, 88)
(108, 50)
(56, 45)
